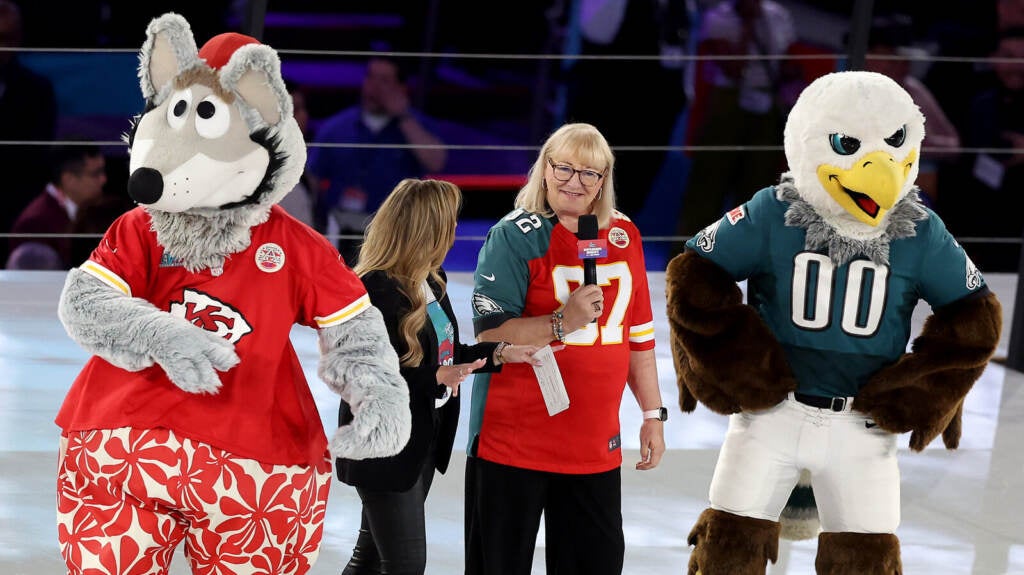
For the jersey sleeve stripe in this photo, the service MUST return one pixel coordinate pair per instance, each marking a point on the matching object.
(346, 313)
(106, 276)
(642, 332)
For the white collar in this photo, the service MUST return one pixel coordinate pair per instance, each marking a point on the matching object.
(69, 206)
(375, 122)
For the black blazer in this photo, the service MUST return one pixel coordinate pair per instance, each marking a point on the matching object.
(399, 472)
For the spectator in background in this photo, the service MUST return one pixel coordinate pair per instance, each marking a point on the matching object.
(891, 37)
(93, 218)
(353, 181)
(737, 103)
(78, 174)
(609, 93)
(300, 202)
(28, 111)
(994, 180)
(961, 35)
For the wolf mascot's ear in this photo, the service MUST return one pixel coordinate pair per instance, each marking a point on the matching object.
(246, 68)
(168, 51)
(253, 73)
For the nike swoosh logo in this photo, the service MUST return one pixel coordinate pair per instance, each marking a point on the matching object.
(489, 278)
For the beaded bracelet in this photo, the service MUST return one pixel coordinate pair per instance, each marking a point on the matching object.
(556, 326)
(499, 350)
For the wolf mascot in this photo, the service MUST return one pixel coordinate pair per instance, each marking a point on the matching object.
(193, 420)
(814, 368)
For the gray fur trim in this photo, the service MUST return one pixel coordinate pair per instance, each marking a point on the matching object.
(133, 334)
(205, 238)
(287, 176)
(179, 34)
(226, 232)
(839, 248)
(358, 362)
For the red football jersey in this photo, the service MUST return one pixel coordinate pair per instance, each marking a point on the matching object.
(528, 267)
(264, 410)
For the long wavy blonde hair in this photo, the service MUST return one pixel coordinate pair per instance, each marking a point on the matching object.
(586, 145)
(408, 239)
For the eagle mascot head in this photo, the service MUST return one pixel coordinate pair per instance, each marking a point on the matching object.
(853, 145)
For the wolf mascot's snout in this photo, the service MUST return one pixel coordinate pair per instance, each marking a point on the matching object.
(193, 416)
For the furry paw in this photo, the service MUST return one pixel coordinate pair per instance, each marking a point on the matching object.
(380, 427)
(130, 361)
(192, 359)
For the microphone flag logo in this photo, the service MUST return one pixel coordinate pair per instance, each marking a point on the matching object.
(592, 249)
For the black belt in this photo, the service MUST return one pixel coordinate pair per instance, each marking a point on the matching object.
(832, 403)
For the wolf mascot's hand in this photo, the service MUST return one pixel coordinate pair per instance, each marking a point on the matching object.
(350, 364)
(101, 321)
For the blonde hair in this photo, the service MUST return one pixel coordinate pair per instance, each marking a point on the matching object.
(408, 239)
(586, 145)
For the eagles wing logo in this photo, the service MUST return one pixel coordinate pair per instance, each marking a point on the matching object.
(211, 314)
(484, 305)
(706, 237)
(973, 275)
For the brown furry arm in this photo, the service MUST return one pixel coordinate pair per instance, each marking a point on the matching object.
(724, 353)
(923, 391)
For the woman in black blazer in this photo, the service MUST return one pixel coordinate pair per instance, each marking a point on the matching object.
(400, 265)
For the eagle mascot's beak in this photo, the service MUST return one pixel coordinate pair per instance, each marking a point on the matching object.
(871, 187)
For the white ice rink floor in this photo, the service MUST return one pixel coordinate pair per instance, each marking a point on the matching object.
(963, 511)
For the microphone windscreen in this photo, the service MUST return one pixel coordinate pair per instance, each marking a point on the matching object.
(587, 227)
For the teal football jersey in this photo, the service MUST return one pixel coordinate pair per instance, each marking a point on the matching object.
(837, 323)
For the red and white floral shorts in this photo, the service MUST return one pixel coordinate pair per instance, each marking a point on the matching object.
(127, 497)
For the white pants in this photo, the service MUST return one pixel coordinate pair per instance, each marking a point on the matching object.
(852, 462)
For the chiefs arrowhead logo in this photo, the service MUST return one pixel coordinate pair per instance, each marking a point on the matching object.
(211, 314)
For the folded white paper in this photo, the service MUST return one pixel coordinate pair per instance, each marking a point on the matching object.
(550, 379)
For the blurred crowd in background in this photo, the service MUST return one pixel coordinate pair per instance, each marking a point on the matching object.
(466, 91)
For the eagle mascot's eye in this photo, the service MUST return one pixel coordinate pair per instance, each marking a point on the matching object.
(899, 136)
(844, 145)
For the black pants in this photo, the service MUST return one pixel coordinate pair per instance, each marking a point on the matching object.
(582, 520)
(392, 533)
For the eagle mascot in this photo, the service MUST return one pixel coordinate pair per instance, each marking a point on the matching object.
(193, 421)
(813, 368)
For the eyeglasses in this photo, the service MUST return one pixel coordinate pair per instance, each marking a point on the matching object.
(564, 173)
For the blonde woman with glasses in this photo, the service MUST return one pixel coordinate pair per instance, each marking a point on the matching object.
(526, 459)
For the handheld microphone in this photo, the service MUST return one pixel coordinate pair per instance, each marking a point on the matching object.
(586, 233)
(590, 248)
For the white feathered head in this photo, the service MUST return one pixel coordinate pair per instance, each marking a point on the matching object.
(853, 143)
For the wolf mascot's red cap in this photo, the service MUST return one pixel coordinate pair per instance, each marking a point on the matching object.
(218, 50)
